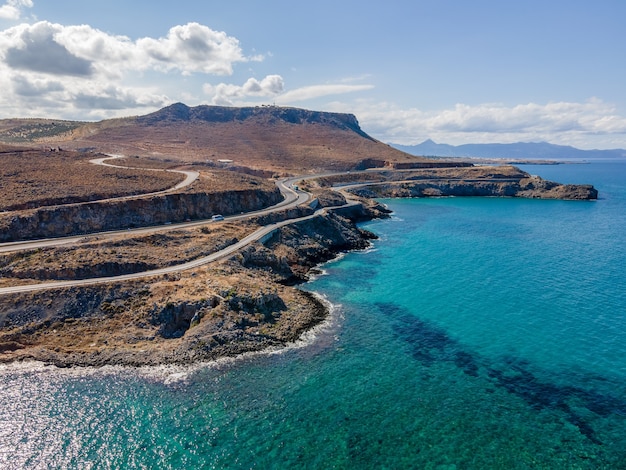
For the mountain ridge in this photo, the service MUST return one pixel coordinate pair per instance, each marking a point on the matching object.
(178, 112)
(518, 150)
(283, 140)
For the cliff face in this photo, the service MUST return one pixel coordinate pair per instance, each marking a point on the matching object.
(115, 215)
(294, 249)
(180, 112)
(525, 187)
(239, 305)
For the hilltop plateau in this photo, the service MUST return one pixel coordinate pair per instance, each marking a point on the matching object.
(263, 138)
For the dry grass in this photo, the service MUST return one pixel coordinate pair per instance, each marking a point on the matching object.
(279, 146)
(36, 178)
(281, 140)
(120, 255)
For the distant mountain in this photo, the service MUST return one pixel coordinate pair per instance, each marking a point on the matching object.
(517, 151)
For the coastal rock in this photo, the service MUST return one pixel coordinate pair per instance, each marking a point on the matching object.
(242, 304)
(525, 187)
(294, 249)
(114, 215)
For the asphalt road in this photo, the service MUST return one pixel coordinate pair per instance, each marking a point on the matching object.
(292, 198)
(257, 235)
(190, 176)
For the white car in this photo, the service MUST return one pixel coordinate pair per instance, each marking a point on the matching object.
(217, 217)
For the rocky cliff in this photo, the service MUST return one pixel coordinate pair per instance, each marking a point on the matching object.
(531, 187)
(239, 305)
(60, 221)
(180, 112)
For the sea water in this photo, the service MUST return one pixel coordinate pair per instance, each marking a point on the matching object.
(475, 333)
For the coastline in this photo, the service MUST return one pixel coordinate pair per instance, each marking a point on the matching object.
(228, 326)
(169, 373)
(248, 302)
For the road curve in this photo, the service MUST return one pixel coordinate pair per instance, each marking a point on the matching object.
(190, 176)
(257, 235)
(292, 198)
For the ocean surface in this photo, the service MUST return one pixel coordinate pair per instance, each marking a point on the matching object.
(476, 333)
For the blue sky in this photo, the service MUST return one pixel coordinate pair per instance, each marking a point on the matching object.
(454, 71)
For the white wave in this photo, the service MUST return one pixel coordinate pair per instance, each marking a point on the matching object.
(170, 374)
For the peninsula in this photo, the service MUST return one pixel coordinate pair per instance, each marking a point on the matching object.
(182, 235)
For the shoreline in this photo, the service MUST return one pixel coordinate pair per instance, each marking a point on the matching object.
(179, 372)
(301, 314)
(247, 302)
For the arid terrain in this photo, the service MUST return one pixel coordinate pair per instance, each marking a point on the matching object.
(243, 301)
(35, 177)
(263, 138)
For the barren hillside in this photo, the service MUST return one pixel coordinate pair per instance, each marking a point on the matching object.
(267, 137)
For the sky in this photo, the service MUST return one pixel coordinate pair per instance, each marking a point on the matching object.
(454, 71)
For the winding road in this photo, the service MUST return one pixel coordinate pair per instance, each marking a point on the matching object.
(292, 195)
(292, 198)
(190, 176)
(257, 235)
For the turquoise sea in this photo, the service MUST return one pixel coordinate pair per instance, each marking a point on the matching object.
(476, 333)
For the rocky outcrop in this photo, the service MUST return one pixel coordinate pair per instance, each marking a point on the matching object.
(180, 112)
(369, 163)
(497, 180)
(294, 249)
(531, 187)
(115, 215)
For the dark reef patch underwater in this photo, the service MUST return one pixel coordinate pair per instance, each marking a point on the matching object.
(430, 344)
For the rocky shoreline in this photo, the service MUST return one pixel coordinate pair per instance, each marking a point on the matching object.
(248, 302)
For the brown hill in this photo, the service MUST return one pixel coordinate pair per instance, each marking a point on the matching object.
(265, 137)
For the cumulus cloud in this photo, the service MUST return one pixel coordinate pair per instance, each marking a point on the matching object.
(224, 94)
(12, 9)
(188, 48)
(41, 62)
(194, 48)
(36, 49)
(557, 122)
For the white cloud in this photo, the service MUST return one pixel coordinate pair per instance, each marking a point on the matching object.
(194, 48)
(84, 69)
(224, 93)
(36, 48)
(188, 48)
(557, 122)
(318, 91)
(272, 86)
(12, 9)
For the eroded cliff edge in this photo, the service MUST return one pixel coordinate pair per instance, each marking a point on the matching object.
(246, 303)
(93, 217)
(480, 181)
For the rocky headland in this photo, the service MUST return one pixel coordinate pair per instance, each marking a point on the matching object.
(248, 301)
(245, 303)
